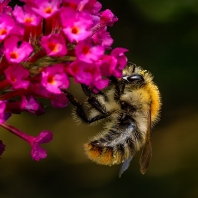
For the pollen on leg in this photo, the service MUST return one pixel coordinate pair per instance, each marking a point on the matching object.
(92, 151)
(98, 154)
(106, 156)
(117, 158)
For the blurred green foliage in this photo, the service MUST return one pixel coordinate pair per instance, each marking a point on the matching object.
(161, 37)
(166, 11)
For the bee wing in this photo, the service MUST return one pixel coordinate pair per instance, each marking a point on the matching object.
(125, 165)
(147, 149)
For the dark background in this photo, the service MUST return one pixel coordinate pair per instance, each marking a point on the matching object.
(161, 36)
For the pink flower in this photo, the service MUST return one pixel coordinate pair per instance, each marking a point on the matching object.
(99, 82)
(54, 78)
(37, 151)
(108, 18)
(103, 38)
(113, 64)
(46, 8)
(81, 72)
(88, 74)
(6, 25)
(71, 3)
(108, 65)
(76, 24)
(4, 5)
(92, 6)
(28, 103)
(15, 51)
(17, 75)
(26, 15)
(39, 90)
(87, 52)
(3, 115)
(18, 31)
(2, 107)
(55, 45)
(59, 100)
(2, 147)
(118, 53)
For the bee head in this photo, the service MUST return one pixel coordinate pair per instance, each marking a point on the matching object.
(133, 74)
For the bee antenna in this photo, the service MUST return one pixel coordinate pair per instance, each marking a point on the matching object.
(134, 66)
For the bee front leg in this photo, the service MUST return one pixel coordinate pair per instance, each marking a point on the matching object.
(119, 87)
(93, 101)
(80, 111)
(79, 108)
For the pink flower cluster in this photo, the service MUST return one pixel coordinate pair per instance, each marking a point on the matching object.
(43, 45)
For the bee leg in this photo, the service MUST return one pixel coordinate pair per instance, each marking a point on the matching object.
(88, 92)
(93, 101)
(80, 110)
(119, 87)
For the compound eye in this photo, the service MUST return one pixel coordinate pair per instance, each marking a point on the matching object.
(135, 78)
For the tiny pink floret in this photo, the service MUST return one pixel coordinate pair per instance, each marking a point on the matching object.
(16, 52)
(6, 25)
(76, 24)
(55, 45)
(88, 52)
(26, 16)
(18, 76)
(37, 151)
(54, 79)
(46, 8)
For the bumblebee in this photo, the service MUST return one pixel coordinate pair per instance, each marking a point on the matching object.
(130, 107)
